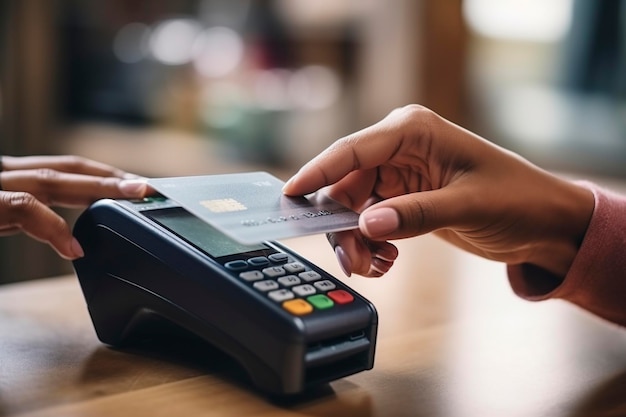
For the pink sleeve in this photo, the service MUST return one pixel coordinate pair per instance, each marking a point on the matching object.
(596, 280)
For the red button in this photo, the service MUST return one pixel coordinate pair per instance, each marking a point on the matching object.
(340, 296)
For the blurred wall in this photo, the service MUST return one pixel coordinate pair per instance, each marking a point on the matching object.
(28, 52)
(146, 84)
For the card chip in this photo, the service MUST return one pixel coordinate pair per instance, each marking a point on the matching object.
(223, 205)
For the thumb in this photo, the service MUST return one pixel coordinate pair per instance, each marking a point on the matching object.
(415, 214)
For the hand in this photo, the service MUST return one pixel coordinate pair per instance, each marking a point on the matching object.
(414, 172)
(29, 185)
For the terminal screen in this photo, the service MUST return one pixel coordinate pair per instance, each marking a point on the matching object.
(200, 234)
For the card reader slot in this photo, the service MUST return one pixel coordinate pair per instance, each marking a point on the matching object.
(332, 350)
(335, 358)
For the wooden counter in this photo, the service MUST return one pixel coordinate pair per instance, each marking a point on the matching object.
(453, 341)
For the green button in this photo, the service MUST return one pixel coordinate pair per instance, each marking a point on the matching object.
(156, 198)
(320, 301)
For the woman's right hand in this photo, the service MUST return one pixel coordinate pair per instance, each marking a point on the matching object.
(414, 172)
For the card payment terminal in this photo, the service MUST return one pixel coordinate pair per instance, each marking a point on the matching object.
(286, 321)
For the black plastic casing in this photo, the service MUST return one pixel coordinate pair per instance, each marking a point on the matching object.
(134, 269)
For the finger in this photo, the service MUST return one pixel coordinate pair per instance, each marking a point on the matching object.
(352, 253)
(8, 230)
(59, 188)
(342, 157)
(383, 256)
(64, 163)
(419, 213)
(362, 150)
(360, 256)
(19, 210)
(355, 189)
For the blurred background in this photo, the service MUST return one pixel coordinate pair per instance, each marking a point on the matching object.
(188, 87)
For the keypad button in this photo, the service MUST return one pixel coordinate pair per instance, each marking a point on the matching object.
(236, 265)
(280, 295)
(325, 285)
(251, 275)
(266, 285)
(340, 296)
(309, 276)
(298, 307)
(289, 280)
(139, 200)
(294, 267)
(304, 290)
(279, 257)
(259, 261)
(320, 301)
(274, 271)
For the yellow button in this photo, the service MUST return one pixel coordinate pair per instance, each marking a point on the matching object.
(299, 307)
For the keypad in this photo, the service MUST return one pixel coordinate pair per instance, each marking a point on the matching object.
(298, 288)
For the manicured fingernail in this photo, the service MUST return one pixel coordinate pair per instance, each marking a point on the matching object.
(133, 188)
(380, 265)
(344, 261)
(388, 255)
(287, 184)
(77, 249)
(129, 176)
(379, 222)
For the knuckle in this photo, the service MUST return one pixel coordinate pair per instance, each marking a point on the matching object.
(415, 113)
(73, 163)
(107, 187)
(420, 121)
(408, 111)
(19, 202)
(416, 215)
(347, 142)
(46, 175)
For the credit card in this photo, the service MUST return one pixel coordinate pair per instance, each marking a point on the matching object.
(251, 207)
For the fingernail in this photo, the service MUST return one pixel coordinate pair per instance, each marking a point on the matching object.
(379, 222)
(381, 266)
(344, 261)
(77, 249)
(287, 184)
(129, 176)
(386, 254)
(133, 188)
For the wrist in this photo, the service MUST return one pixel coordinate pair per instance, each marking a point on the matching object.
(571, 209)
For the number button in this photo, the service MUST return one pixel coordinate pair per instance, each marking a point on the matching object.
(289, 280)
(251, 276)
(304, 290)
(274, 271)
(294, 267)
(280, 295)
(325, 285)
(310, 276)
(266, 285)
